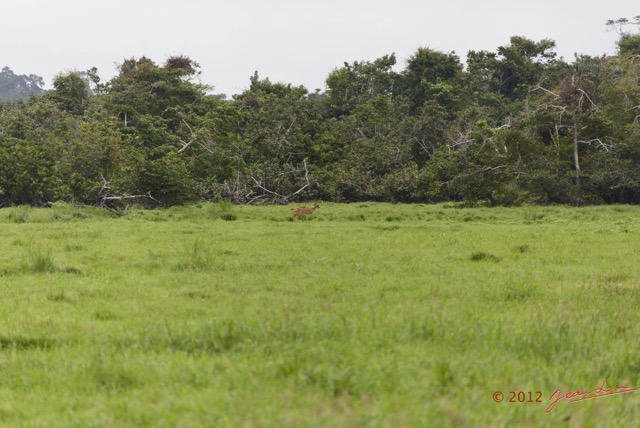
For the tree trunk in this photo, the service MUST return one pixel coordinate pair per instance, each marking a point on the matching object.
(576, 162)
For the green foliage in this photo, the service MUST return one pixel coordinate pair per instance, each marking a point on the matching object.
(167, 178)
(28, 172)
(359, 82)
(517, 125)
(629, 44)
(15, 87)
(515, 67)
(431, 76)
(144, 88)
(71, 92)
(39, 259)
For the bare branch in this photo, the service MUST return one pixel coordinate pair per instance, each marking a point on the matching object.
(561, 108)
(252, 200)
(185, 146)
(105, 185)
(121, 197)
(462, 140)
(265, 189)
(540, 88)
(594, 105)
(601, 144)
(105, 198)
(306, 177)
(194, 139)
(503, 127)
(187, 125)
(282, 198)
(205, 147)
(488, 168)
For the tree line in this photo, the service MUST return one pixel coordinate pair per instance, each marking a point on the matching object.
(515, 125)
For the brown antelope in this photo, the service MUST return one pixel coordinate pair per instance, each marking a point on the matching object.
(304, 210)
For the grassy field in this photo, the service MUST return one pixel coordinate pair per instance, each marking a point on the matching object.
(361, 315)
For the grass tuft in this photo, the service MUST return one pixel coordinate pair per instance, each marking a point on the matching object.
(105, 315)
(58, 296)
(223, 210)
(19, 216)
(39, 259)
(21, 343)
(532, 214)
(522, 249)
(229, 217)
(444, 375)
(482, 256)
(198, 256)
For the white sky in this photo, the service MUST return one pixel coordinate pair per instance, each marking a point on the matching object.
(291, 41)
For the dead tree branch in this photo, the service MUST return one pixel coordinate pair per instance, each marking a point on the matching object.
(277, 197)
(194, 139)
(599, 142)
(106, 199)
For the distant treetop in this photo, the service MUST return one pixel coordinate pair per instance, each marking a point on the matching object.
(19, 86)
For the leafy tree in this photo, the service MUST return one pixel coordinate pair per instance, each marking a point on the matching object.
(376, 162)
(426, 131)
(19, 86)
(29, 149)
(431, 76)
(485, 164)
(629, 43)
(90, 160)
(71, 92)
(155, 106)
(616, 176)
(361, 81)
(144, 88)
(514, 68)
(516, 126)
(573, 121)
(277, 125)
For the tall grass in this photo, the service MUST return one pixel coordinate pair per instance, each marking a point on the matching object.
(220, 210)
(197, 255)
(38, 259)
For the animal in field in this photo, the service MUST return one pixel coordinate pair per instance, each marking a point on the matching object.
(304, 210)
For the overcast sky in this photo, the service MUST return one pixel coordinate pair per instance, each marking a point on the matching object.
(291, 41)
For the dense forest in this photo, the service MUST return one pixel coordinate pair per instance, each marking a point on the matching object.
(518, 125)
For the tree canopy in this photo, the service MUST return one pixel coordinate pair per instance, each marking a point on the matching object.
(515, 125)
(19, 86)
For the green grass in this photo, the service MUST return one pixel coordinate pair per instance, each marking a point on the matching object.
(363, 315)
(39, 260)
